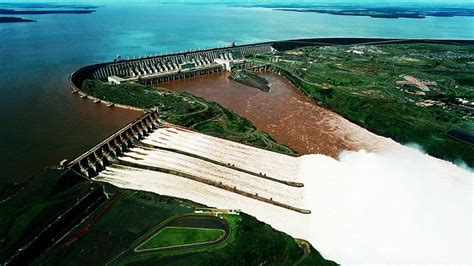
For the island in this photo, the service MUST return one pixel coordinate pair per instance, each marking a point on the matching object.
(367, 11)
(251, 79)
(43, 12)
(14, 20)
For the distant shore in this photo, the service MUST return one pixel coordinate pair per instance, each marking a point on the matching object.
(14, 20)
(389, 12)
(42, 12)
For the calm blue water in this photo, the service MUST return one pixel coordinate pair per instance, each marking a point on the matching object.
(42, 123)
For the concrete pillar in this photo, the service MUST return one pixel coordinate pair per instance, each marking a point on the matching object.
(128, 140)
(136, 133)
(111, 149)
(123, 141)
(117, 146)
(149, 124)
(103, 73)
(83, 170)
(91, 165)
(98, 159)
(130, 136)
(140, 130)
(106, 155)
(144, 127)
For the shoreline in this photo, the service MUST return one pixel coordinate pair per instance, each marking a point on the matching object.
(329, 133)
(14, 20)
(76, 89)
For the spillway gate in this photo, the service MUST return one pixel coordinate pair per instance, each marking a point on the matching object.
(95, 159)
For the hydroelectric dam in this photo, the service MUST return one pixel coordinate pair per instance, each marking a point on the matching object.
(152, 70)
(161, 68)
(150, 154)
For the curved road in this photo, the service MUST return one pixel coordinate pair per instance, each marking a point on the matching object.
(133, 250)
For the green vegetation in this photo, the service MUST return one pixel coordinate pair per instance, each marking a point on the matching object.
(31, 207)
(178, 236)
(121, 220)
(360, 83)
(251, 79)
(187, 110)
(387, 12)
(251, 243)
(121, 224)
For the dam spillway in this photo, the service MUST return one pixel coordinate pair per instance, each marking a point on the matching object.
(156, 165)
(172, 157)
(94, 160)
(176, 66)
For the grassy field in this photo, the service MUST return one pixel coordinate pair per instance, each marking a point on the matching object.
(125, 217)
(251, 243)
(360, 83)
(118, 225)
(33, 206)
(187, 110)
(178, 236)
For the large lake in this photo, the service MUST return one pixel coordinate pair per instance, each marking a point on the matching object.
(43, 123)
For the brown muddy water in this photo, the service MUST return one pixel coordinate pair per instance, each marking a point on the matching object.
(284, 112)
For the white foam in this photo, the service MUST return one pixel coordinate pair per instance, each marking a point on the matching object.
(392, 207)
(398, 206)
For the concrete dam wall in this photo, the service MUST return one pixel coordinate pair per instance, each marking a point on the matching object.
(156, 69)
(178, 66)
(98, 157)
(173, 155)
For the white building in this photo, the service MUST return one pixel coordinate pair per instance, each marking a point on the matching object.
(114, 80)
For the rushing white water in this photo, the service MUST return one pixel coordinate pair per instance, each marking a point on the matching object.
(276, 165)
(217, 174)
(398, 206)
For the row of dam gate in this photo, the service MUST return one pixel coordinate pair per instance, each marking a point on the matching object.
(94, 160)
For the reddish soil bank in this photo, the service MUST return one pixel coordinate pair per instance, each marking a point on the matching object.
(284, 112)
